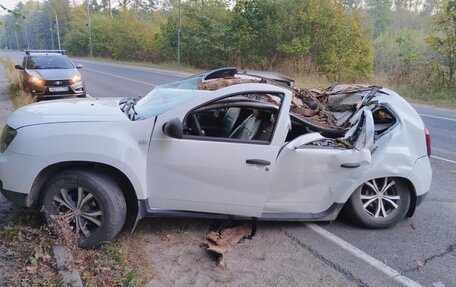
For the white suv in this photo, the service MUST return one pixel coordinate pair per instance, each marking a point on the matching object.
(241, 146)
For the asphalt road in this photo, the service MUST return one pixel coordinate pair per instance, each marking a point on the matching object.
(421, 249)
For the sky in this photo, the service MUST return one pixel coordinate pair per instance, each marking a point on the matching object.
(10, 4)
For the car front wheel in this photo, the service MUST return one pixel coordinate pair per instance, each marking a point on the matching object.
(90, 202)
(379, 203)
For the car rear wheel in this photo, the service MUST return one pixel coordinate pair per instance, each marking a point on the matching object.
(379, 203)
(91, 203)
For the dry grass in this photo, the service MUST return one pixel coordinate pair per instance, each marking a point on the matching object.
(18, 96)
(119, 263)
(28, 245)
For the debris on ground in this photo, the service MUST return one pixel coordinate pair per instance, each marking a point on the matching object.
(220, 242)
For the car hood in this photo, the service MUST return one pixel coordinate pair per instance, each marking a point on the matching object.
(54, 74)
(67, 111)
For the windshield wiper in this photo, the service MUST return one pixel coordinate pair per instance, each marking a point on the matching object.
(127, 105)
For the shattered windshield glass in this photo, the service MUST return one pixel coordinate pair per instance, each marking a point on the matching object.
(162, 99)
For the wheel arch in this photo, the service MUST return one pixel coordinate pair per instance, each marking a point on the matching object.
(413, 196)
(126, 186)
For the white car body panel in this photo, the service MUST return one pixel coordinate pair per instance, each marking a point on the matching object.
(212, 176)
(121, 144)
(215, 174)
(64, 111)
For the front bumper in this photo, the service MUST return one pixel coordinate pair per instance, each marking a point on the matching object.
(75, 90)
(18, 173)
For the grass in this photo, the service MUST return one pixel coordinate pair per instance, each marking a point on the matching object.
(438, 97)
(444, 98)
(420, 93)
(29, 246)
(18, 96)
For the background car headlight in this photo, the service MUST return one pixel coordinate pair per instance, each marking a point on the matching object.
(36, 81)
(8, 134)
(76, 79)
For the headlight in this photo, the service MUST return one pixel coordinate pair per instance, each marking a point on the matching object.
(75, 79)
(6, 138)
(36, 81)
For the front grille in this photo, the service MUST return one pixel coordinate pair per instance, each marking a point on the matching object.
(58, 83)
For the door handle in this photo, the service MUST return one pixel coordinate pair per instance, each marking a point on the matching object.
(258, 162)
(351, 165)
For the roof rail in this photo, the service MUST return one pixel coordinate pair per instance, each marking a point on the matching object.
(28, 52)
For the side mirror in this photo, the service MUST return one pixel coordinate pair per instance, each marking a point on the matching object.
(173, 128)
(79, 66)
(18, 67)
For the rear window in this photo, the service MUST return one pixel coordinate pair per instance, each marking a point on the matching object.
(49, 62)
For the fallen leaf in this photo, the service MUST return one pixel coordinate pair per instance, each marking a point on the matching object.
(419, 263)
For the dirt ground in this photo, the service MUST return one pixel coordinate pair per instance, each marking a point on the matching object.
(271, 258)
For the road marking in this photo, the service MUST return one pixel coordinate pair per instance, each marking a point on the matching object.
(444, 159)
(125, 78)
(437, 117)
(139, 68)
(382, 267)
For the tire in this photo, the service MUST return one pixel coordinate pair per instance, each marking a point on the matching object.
(365, 205)
(101, 212)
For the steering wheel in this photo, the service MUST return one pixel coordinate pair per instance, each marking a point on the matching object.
(195, 125)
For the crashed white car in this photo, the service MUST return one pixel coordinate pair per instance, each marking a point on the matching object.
(225, 144)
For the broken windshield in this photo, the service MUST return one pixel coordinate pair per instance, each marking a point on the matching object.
(162, 99)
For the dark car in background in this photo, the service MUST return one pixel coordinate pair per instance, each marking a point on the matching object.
(50, 74)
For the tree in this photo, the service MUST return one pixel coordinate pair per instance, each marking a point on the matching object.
(380, 13)
(443, 41)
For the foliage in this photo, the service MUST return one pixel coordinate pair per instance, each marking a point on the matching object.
(443, 41)
(265, 34)
(407, 42)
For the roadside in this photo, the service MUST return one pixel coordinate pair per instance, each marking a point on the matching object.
(7, 210)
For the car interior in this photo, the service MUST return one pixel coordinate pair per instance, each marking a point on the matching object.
(239, 118)
(252, 118)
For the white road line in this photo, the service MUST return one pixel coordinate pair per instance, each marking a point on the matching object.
(437, 117)
(382, 267)
(139, 68)
(444, 159)
(120, 77)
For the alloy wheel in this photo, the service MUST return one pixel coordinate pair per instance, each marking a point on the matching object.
(380, 197)
(80, 208)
